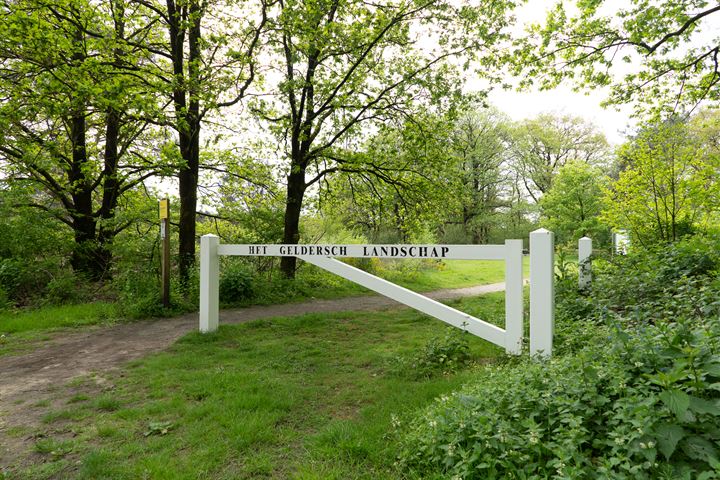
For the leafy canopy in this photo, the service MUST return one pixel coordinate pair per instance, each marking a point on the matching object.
(658, 54)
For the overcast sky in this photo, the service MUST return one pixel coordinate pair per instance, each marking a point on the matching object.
(520, 105)
(615, 122)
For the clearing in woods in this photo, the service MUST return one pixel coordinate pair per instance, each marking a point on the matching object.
(37, 387)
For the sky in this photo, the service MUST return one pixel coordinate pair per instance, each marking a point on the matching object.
(615, 122)
(612, 121)
(562, 100)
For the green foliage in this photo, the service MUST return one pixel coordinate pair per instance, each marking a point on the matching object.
(668, 187)
(676, 279)
(671, 62)
(440, 355)
(65, 288)
(645, 409)
(10, 274)
(139, 294)
(5, 302)
(408, 199)
(540, 146)
(478, 145)
(236, 283)
(630, 393)
(572, 206)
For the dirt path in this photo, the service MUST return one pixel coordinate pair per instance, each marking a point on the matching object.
(35, 375)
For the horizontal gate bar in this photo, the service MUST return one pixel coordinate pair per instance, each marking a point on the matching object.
(447, 252)
(407, 297)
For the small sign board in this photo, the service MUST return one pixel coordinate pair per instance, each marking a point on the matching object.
(444, 252)
(164, 208)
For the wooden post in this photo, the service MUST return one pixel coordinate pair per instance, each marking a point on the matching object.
(209, 283)
(584, 265)
(542, 292)
(165, 254)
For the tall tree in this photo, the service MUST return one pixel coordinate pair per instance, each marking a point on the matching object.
(542, 145)
(64, 115)
(479, 143)
(199, 75)
(347, 65)
(405, 196)
(667, 56)
(667, 189)
(572, 207)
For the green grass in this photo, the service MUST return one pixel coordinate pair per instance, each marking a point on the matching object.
(458, 274)
(313, 282)
(309, 397)
(57, 317)
(20, 330)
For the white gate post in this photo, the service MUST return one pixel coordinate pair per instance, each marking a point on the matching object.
(514, 301)
(542, 292)
(584, 264)
(209, 283)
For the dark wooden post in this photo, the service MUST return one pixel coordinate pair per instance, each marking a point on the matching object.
(165, 246)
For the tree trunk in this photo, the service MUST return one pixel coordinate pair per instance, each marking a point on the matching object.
(188, 182)
(293, 206)
(187, 110)
(111, 181)
(84, 256)
(111, 190)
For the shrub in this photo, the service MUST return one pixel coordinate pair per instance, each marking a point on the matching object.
(5, 302)
(657, 279)
(633, 407)
(236, 283)
(440, 355)
(10, 274)
(632, 392)
(63, 288)
(139, 294)
(25, 281)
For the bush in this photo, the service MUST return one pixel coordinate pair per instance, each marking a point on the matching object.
(5, 302)
(236, 283)
(440, 355)
(25, 281)
(632, 392)
(63, 288)
(634, 407)
(648, 281)
(10, 274)
(139, 294)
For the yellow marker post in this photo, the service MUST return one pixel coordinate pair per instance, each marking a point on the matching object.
(165, 245)
(164, 208)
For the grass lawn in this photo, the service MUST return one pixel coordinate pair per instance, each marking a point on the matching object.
(19, 330)
(309, 397)
(458, 274)
(57, 316)
(313, 282)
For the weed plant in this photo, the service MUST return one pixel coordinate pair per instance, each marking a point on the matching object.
(441, 355)
(633, 391)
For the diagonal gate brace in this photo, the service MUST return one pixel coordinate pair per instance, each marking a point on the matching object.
(419, 302)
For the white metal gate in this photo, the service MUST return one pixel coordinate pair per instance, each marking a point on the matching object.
(511, 337)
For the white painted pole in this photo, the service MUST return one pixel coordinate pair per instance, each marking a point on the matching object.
(456, 318)
(514, 301)
(584, 264)
(209, 283)
(542, 292)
